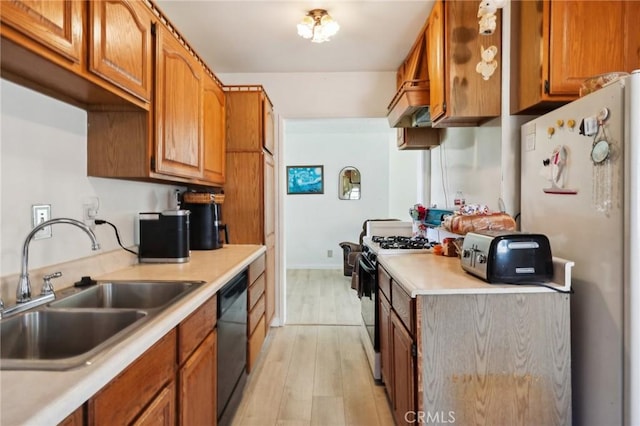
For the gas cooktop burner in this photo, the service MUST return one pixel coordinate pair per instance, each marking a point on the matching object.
(398, 242)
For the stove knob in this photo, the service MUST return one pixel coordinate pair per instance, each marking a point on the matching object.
(482, 258)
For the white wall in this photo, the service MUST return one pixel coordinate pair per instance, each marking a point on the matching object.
(406, 179)
(43, 161)
(468, 160)
(315, 224)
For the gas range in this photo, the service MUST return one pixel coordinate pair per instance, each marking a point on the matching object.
(398, 244)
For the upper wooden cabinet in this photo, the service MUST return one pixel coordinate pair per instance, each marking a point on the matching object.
(250, 126)
(417, 138)
(45, 45)
(120, 40)
(178, 108)
(213, 130)
(412, 86)
(459, 95)
(182, 138)
(558, 44)
(435, 46)
(268, 126)
(57, 25)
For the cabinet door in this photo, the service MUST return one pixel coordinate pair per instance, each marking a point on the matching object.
(162, 411)
(56, 24)
(632, 55)
(244, 197)
(268, 126)
(417, 138)
(435, 61)
(586, 38)
(123, 399)
(120, 42)
(244, 121)
(269, 196)
(178, 109)
(385, 345)
(270, 288)
(74, 419)
(255, 344)
(403, 370)
(197, 386)
(213, 131)
(270, 235)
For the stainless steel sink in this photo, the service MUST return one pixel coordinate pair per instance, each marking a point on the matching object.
(128, 295)
(74, 330)
(61, 339)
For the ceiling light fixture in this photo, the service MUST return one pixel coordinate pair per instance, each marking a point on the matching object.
(318, 26)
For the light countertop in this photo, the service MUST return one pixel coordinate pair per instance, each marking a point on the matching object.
(430, 274)
(32, 397)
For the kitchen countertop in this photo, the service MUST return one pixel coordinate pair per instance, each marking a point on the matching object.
(430, 274)
(47, 397)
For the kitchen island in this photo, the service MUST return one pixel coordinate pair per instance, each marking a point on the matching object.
(46, 397)
(456, 349)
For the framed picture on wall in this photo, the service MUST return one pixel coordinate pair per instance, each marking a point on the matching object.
(305, 179)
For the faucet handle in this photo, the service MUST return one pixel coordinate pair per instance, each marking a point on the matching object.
(47, 287)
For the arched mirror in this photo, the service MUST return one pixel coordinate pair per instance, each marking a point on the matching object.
(349, 182)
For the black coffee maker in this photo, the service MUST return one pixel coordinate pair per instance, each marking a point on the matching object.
(206, 225)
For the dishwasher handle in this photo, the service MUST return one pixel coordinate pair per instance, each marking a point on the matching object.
(231, 292)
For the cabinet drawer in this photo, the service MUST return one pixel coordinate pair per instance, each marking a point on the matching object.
(384, 282)
(256, 290)
(255, 344)
(404, 306)
(195, 328)
(115, 403)
(255, 314)
(256, 269)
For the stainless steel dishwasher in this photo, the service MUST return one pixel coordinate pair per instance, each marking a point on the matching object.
(232, 346)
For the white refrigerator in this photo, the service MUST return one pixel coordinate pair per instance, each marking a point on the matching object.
(583, 192)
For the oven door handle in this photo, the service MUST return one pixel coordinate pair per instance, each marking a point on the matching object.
(368, 267)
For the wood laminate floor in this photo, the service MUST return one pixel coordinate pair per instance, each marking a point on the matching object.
(313, 373)
(321, 296)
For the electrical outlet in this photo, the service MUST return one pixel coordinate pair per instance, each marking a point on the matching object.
(90, 207)
(329, 253)
(41, 213)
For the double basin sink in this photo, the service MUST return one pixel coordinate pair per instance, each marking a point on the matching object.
(74, 330)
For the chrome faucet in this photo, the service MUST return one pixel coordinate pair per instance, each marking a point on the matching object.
(23, 292)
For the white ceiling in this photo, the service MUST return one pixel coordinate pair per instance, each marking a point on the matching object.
(243, 36)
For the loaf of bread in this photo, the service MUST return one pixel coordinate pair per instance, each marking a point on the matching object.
(461, 224)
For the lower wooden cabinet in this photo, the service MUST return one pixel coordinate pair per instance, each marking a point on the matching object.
(162, 410)
(197, 385)
(127, 396)
(197, 359)
(385, 344)
(397, 347)
(255, 344)
(173, 382)
(74, 419)
(403, 370)
(256, 306)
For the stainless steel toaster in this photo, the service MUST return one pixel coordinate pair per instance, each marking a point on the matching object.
(507, 257)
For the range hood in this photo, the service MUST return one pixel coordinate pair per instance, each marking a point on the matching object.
(410, 106)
